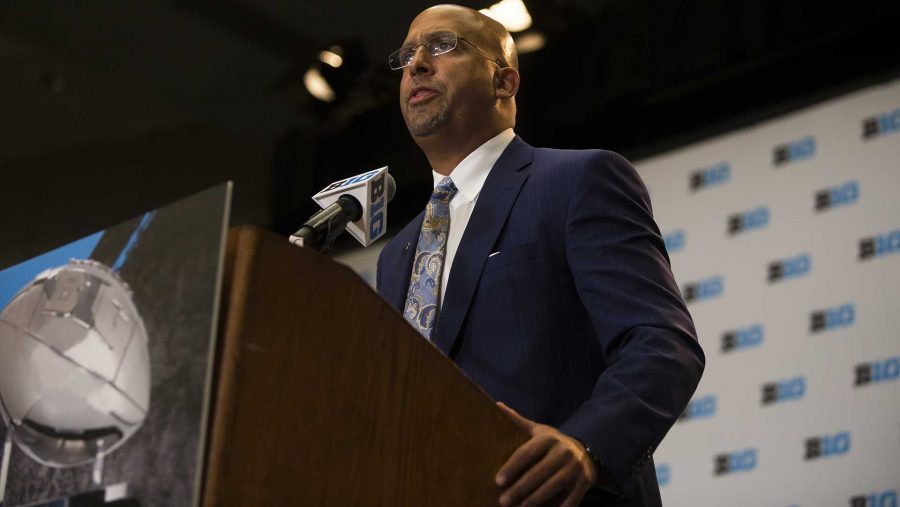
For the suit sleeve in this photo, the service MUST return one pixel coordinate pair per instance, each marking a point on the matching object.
(622, 274)
(378, 281)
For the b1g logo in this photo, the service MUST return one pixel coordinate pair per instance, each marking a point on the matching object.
(794, 151)
(839, 316)
(827, 446)
(350, 181)
(745, 338)
(884, 123)
(876, 372)
(883, 499)
(376, 208)
(704, 289)
(741, 461)
(877, 246)
(757, 218)
(841, 195)
(663, 475)
(699, 408)
(794, 267)
(718, 174)
(783, 390)
(675, 241)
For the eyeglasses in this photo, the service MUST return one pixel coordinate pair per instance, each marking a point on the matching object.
(435, 46)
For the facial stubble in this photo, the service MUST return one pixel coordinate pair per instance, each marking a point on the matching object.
(423, 123)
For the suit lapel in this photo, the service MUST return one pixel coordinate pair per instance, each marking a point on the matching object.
(399, 268)
(491, 211)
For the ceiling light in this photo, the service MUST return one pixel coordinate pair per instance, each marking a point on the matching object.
(510, 13)
(332, 56)
(529, 42)
(317, 86)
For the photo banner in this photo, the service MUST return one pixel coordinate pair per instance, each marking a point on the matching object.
(106, 348)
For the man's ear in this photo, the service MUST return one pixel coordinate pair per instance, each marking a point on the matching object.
(506, 83)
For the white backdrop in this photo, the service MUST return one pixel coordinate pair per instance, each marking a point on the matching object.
(801, 192)
(781, 381)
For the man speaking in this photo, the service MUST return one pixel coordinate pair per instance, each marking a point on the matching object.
(541, 273)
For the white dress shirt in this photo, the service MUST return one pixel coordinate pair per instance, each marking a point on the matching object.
(469, 177)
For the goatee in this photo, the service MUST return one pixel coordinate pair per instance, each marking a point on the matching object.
(422, 124)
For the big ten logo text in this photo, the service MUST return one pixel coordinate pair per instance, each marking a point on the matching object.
(699, 408)
(675, 241)
(663, 475)
(783, 390)
(738, 339)
(794, 151)
(376, 208)
(729, 463)
(350, 181)
(877, 372)
(793, 267)
(877, 246)
(704, 289)
(839, 316)
(882, 499)
(882, 124)
(834, 197)
(718, 174)
(757, 218)
(827, 446)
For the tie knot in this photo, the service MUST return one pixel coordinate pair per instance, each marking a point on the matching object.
(444, 191)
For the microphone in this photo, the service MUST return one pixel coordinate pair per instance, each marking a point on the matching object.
(357, 204)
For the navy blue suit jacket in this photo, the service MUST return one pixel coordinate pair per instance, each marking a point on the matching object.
(561, 303)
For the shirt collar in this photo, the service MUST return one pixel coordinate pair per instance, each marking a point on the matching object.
(469, 176)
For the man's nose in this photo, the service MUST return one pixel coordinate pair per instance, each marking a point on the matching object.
(421, 62)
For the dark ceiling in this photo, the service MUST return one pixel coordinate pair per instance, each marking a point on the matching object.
(635, 76)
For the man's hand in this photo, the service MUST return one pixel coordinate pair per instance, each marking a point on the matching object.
(550, 466)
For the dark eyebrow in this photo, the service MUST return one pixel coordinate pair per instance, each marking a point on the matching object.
(429, 36)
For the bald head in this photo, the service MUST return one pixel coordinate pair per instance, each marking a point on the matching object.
(487, 32)
(453, 100)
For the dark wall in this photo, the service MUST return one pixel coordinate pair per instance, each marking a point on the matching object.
(59, 195)
(110, 109)
(81, 150)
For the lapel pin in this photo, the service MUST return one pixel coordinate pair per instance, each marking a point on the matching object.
(405, 248)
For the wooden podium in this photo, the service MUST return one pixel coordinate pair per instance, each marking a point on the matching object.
(325, 396)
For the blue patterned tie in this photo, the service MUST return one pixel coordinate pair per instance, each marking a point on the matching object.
(425, 282)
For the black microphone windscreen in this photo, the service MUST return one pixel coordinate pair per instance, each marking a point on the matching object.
(391, 187)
